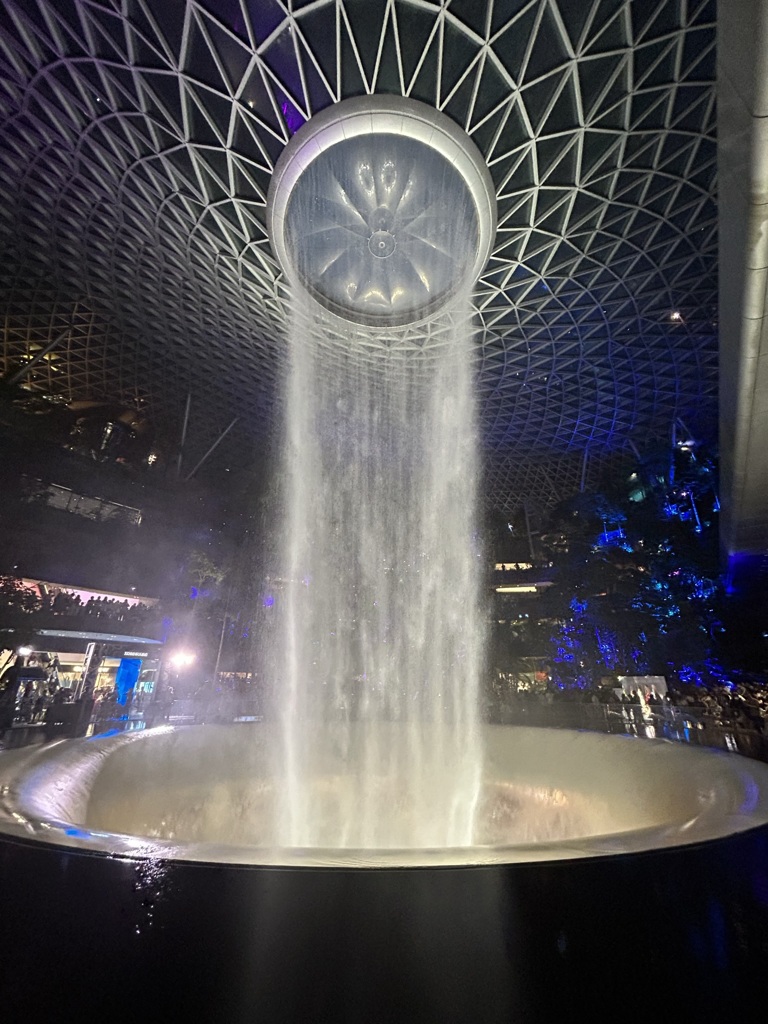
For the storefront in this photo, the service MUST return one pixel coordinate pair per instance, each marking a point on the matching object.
(129, 666)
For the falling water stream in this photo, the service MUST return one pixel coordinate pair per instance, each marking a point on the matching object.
(381, 626)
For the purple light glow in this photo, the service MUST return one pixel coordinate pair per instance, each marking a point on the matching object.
(293, 117)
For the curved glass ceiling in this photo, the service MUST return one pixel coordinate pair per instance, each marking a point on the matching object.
(137, 145)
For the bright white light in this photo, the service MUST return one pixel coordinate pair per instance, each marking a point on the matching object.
(24, 651)
(181, 659)
(677, 316)
(516, 590)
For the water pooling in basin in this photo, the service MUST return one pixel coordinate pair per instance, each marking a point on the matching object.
(209, 794)
(381, 223)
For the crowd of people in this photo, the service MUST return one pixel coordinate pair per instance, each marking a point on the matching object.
(17, 602)
(733, 716)
(743, 704)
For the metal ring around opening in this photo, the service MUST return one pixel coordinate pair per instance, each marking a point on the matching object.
(382, 210)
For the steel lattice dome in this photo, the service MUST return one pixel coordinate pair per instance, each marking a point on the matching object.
(139, 138)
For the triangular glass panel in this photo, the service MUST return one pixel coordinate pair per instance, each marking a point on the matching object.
(265, 16)
(564, 116)
(699, 55)
(512, 44)
(659, 19)
(388, 76)
(607, 31)
(170, 26)
(536, 99)
(690, 106)
(293, 117)
(318, 39)
(457, 55)
(218, 109)
(557, 159)
(106, 45)
(615, 106)
(352, 81)
(549, 50)
(231, 53)
(217, 163)
(145, 47)
(458, 107)
(121, 87)
(472, 14)
(704, 13)
(257, 98)
(228, 211)
(549, 201)
(575, 15)
(654, 64)
(280, 57)
(585, 206)
(183, 170)
(649, 109)
(365, 22)
(514, 136)
(594, 75)
(414, 32)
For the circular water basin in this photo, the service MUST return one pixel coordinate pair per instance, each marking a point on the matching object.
(208, 794)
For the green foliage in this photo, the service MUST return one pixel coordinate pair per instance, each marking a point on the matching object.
(201, 569)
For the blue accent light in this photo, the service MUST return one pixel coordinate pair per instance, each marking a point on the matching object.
(608, 647)
(689, 674)
(105, 734)
(744, 572)
(751, 795)
(126, 678)
(613, 538)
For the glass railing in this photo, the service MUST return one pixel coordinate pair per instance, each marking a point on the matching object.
(696, 726)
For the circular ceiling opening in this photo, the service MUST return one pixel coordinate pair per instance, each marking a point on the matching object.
(382, 209)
